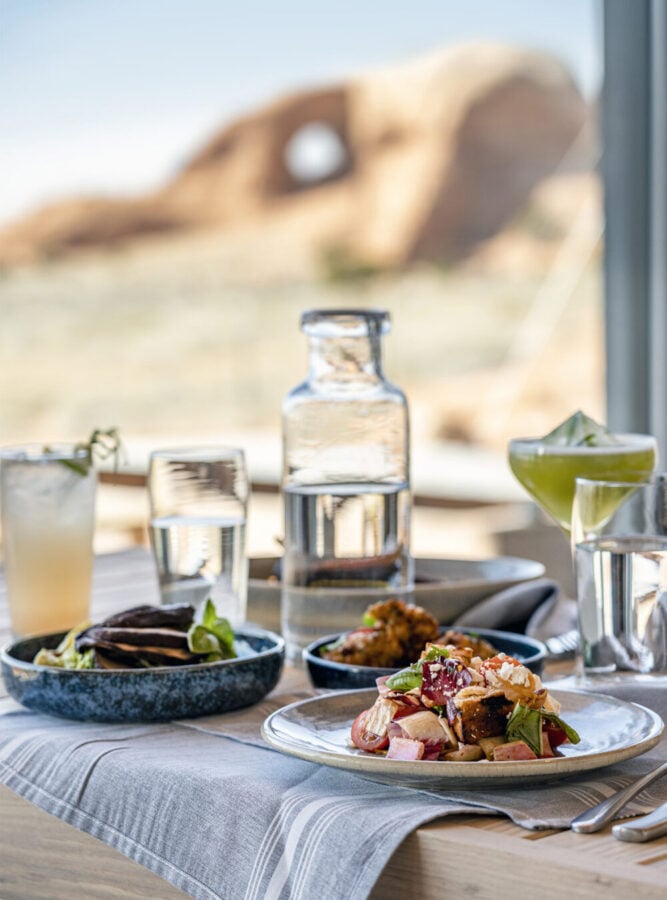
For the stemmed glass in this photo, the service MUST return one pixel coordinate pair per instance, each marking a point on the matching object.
(549, 471)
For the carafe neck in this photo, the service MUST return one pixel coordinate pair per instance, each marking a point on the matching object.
(345, 348)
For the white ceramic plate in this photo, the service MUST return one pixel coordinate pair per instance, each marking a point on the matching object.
(446, 587)
(318, 730)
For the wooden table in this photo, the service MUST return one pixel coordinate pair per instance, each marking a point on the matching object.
(488, 858)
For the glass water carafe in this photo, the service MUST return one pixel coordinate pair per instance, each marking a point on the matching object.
(346, 477)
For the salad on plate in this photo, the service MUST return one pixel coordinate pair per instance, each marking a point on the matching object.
(455, 706)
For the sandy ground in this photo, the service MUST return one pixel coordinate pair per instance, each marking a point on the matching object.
(159, 341)
(198, 336)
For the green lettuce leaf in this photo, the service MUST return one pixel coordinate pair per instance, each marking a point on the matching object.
(435, 651)
(411, 677)
(572, 735)
(405, 680)
(525, 724)
(212, 636)
(66, 656)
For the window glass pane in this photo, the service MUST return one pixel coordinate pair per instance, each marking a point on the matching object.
(180, 182)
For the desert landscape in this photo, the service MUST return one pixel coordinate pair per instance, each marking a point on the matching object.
(464, 199)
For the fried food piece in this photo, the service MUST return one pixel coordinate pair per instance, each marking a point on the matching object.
(477, 644)
(398, 635)
(365, 647)
(481, 717)
(411, 626)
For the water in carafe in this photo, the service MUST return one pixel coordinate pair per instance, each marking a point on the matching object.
(346, 485)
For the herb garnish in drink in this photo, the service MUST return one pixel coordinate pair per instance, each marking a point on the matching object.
(101, 444)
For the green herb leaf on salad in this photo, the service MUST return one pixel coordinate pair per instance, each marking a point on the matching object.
(411, 677)
(405, 680)
(525, 724)
(572, 735)
(212, 635)
(65, 655)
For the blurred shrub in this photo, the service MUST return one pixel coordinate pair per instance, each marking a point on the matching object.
(339, 264)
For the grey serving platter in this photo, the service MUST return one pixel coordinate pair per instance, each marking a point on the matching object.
(446, 587)
(143, 695)
(318, 730)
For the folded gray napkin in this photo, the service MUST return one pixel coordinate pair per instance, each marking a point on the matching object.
(206, 805)
(537, 608)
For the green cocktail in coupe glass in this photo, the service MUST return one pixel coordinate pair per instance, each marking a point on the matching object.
(548, 467)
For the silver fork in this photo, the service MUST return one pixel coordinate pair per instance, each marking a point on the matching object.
(599, 815)
(562, 644)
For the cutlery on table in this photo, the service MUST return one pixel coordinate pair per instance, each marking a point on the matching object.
(600, 815)
(646, 828)
(563, 644)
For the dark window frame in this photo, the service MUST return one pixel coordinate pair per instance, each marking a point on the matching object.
(634, 168)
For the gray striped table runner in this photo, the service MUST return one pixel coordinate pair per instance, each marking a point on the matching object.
(207, 806)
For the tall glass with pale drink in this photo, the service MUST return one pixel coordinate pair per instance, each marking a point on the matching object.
(48, 515)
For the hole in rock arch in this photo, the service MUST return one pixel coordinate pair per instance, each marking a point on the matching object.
(316, 153)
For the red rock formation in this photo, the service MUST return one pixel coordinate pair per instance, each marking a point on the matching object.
(439, 154)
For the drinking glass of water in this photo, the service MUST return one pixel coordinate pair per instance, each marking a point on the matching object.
(620, 542)
(198, 505)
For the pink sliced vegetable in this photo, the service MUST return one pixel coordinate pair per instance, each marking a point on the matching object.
(405, 748)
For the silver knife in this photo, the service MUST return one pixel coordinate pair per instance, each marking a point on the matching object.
(646, 828)
(596, 818)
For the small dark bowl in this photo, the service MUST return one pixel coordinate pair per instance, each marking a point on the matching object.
(143, 695)
(341, 676)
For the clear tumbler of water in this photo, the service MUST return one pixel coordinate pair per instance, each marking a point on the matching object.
(198, 506)
(620, 542)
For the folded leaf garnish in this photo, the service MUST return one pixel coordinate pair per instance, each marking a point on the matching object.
(525, 724)
(580, 431)
(212, 635)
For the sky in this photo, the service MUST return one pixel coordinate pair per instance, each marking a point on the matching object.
(113, 97)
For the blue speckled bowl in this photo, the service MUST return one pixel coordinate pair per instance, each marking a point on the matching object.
(341, 676)
(143, 695)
